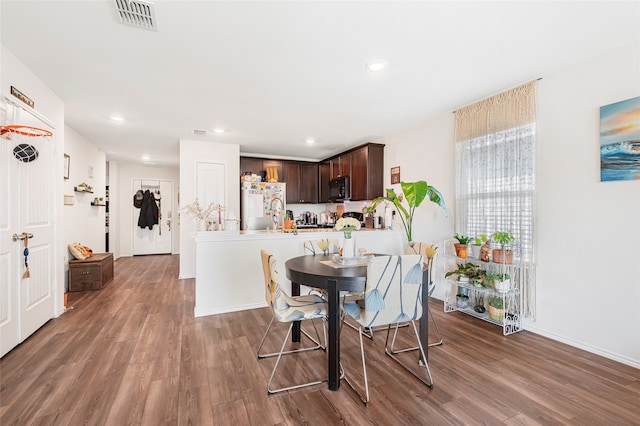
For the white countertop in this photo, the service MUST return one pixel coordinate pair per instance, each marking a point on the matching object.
(260, 235)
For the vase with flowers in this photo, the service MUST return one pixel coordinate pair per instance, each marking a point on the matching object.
(347, 225)
(203, 216)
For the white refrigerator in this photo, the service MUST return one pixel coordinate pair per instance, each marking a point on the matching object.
(263, 205)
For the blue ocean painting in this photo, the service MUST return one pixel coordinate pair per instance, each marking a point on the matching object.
(620, 140)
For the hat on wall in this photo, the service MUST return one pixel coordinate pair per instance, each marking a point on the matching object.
(137, 198)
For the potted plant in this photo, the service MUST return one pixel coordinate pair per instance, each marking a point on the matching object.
(478, 241)
(503, 254)
(462, 245)
(414, 193)
(501, 281)
(496, 308)
(469, 273)
(462, 298)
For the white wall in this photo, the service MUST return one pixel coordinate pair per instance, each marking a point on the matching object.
(192, 152)
(122, 196)
(588, 232)
(14, 73)
(426, 152)
(84, 223)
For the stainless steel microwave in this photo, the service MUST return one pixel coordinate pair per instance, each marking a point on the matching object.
(339, 189)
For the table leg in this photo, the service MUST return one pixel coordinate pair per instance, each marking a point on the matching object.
(295, 331)
(333, 344)
(424, 319)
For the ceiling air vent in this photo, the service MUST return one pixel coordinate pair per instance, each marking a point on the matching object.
(138, 13)
(199, 132)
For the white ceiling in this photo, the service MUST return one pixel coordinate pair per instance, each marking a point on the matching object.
(276, 73)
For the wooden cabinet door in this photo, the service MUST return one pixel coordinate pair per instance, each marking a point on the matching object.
(359, 176)
(293, 178)
(375, 171)
(250, 164)
(324, 174)
(367, 168)
(345, 165)
(334, 167)
(309, 183)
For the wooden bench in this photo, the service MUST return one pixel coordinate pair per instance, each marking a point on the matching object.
(92, 273)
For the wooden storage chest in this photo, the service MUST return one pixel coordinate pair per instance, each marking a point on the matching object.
(92, 273)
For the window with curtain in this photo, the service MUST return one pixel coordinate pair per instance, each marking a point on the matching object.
(496, 174)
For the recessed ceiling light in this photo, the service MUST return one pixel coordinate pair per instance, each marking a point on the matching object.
(117, 118)
(376, 65)
(310, 141)
(218, 130)
(146, 158)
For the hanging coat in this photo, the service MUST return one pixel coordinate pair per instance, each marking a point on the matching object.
(148, 211)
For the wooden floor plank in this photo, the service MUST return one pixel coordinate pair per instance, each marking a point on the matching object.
(133, 353)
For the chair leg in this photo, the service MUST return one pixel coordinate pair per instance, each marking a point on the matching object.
(388, 351)
(368, 332)
(316, 341)
(275, 367)
(398, 351)
(357, 389)
(439, 342)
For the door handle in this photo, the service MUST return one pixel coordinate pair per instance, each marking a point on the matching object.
(17, 237)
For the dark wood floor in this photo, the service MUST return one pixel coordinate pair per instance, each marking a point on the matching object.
(133, 353)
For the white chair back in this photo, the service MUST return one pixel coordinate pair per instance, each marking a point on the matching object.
(392, 293)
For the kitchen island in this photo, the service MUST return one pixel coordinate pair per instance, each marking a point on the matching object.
(229, 273)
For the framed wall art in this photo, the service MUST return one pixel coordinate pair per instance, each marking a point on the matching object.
(620, 140)
(395, 174)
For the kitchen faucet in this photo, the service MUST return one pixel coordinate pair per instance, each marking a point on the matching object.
(276, 214)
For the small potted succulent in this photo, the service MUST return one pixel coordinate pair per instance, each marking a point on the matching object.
(496, 308)
(476, 244)
(503, 254)
(462, 298)
(462, 245)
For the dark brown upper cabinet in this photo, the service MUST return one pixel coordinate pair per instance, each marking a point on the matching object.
(364, 165)
(302, 182)
(307, 182)
(324, 172)
(367, 172)
(341, 165)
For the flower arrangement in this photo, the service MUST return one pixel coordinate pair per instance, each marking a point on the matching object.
(194, 209)
(347, 225)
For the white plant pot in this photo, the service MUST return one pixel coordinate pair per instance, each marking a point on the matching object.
(475, 251)
(502, 286)
(349, 247)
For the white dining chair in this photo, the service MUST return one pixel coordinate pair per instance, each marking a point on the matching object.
(289, 309)
(429, 251)
(393, 295)
(326, 247)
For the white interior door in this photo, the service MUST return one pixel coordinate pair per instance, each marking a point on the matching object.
(158, 239)
(210, 185)
(27, 206)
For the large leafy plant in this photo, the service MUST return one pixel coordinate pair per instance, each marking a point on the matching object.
(414, 193)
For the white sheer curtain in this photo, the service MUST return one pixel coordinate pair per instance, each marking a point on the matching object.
(495, 174)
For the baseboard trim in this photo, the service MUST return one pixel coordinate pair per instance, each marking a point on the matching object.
(202, 312)
(589, 348)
